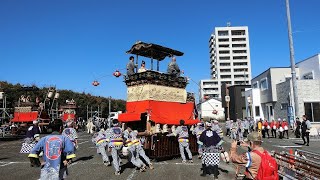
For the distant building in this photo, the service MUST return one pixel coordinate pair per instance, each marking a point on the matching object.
(209, 89)
(237, 103)
(211, 108)
(229, 59)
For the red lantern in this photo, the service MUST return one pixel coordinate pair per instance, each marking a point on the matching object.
(117, 73)
(214, 112)
(95, 83)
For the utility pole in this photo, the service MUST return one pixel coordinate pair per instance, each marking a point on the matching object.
(293, 66)
(87, 112)
(109, 105)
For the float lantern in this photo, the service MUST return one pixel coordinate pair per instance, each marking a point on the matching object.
(95, 83)
(214, 112)
(117, 73)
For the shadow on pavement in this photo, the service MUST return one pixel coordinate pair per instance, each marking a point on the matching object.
(128, 165)
(299, 143)
(223, 170)
(86, 158)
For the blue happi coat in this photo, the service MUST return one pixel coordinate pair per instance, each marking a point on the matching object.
(56, 148)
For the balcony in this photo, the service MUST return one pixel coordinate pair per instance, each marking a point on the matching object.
(212, 60)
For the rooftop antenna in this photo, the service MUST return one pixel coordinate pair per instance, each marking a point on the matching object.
(228, 24)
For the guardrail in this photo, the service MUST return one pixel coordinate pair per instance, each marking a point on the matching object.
(304, 165)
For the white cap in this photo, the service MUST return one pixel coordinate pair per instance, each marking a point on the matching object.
(208, 124)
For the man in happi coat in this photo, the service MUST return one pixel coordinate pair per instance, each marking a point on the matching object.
(183, 139)
(198, 131)
(100, 140)
(58, 152)
(211, 151)
(71, 133)
(115, 144)
(234, 129)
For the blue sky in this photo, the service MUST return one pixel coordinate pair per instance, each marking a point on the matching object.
(71, 43)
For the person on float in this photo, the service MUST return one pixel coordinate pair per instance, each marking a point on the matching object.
(131, 66)
(143, 67)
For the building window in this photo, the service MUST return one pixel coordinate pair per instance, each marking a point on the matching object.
(226, 82)
(240, 64)
(239, 45)
(238, 39)
(257, 109)
(308, 75)
(239, 57)
(240, 70)
(223, 40)
(225, 76)
(264, 84)
(239, 51)
(241, 76)
(223, 33)
(255, 85)
(225, 70)
(224, 52)
(312, 110)
(238, 32)
(224, 45)
(271, 110)
(225, 58)
(224, 64)
(284, 106)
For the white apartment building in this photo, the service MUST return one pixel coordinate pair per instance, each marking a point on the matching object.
(229, 60)
(272, 93)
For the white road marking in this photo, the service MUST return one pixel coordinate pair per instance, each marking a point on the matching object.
(132, 174)
(287, 146)
(6, 164)
(83, 142)
(3, 163)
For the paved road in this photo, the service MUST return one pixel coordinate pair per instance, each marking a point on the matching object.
(88, 164)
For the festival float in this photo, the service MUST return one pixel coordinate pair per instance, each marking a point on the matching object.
(68, 111)
(45, 112)
(156, 102)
